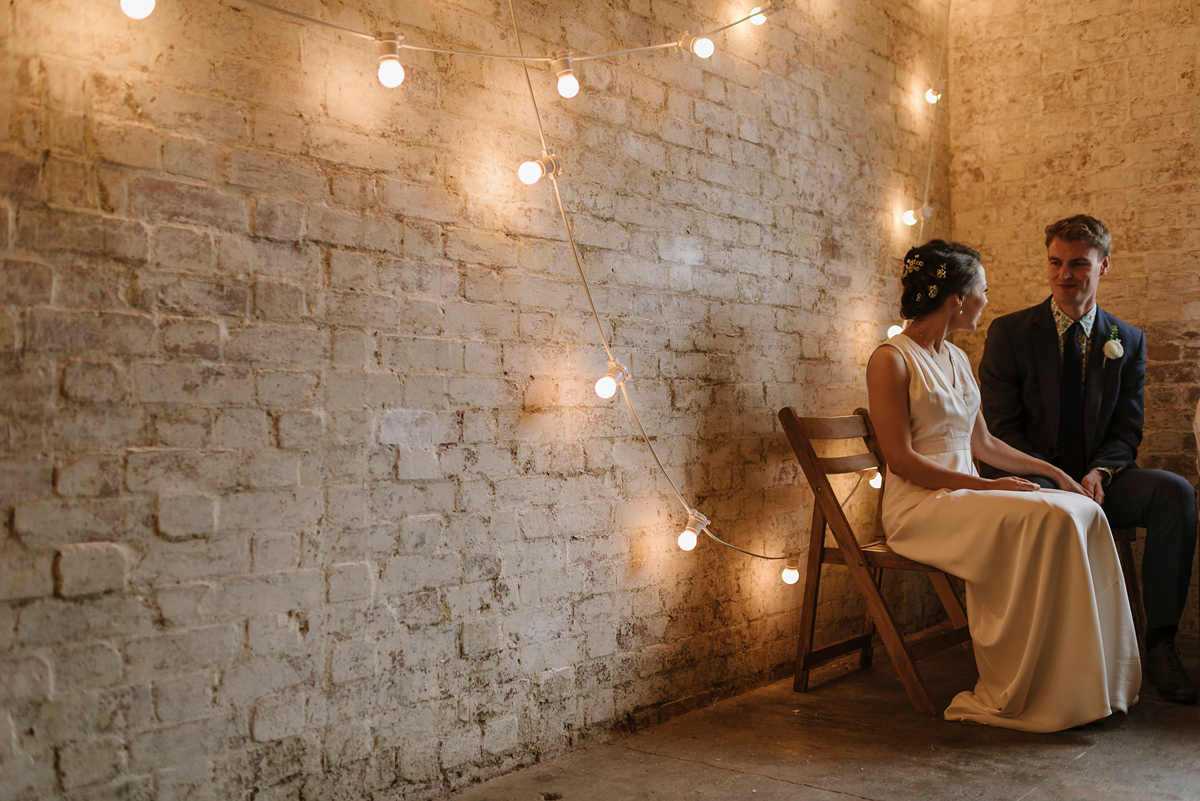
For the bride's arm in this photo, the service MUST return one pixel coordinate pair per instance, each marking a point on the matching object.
(1000, 454)
(887, 389)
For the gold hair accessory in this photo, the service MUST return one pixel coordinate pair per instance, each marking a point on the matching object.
(933, 290)
(911, 266)
(941, 273)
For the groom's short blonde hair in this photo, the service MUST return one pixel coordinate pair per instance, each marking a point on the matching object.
(1081, 228)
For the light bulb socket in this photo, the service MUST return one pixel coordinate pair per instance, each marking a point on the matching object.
(388, 45)
(617, 372)
(549, 163)
(759, 15)
(560, 62)
(792, 561)
(927, 212)
(696, 522)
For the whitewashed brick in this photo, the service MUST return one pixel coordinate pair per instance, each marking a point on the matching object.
(276, 551)
(461, 746)
(184, 697)
(350, 581)
(271, 592)
(90, 568)
(189, 782)
(25, 576)
(171, 653)
(180, 743)
(90, 761)
(351, 742)
(87, 667)
(278, 717)
(279, 510)
(182, 517)
(501, 734)
(27, 678)
(418, 427)
(302, 430)
(186, 604)
(353, 660)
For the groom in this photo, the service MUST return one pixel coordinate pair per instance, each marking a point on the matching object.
(1063, 380)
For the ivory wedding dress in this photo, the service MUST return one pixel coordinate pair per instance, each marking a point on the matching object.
(1049, 618)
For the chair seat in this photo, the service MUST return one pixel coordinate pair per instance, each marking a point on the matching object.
(877, 554)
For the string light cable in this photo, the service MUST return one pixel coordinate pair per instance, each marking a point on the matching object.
(617, 374)
(548, 165)
(700, 44)
(932, 96)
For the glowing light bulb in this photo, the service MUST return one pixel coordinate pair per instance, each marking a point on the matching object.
(759, 19)
(606, 387)
(568, 85)
(876, 480)
(931, 96)
(137, 9)
(791, 568)
(893, 330)
(530, 172)
(909, 217)
(691, 532)
(391, 72)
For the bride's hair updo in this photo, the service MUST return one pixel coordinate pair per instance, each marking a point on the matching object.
(933, 272)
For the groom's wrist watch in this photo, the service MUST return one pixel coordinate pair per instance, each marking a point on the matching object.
(1106, 475)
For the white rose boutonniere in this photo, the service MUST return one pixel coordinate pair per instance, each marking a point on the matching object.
(1113, 349)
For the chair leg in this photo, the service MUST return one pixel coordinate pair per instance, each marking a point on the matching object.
(906, 668)
(808, 613)
(867, 656)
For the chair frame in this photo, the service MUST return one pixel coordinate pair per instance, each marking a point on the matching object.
(866, 562)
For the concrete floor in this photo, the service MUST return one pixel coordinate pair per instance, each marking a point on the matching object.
(857, 737)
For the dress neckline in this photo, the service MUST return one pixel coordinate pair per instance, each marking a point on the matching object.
(952, 381)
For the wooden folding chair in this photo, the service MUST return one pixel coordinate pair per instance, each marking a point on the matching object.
(866, 562)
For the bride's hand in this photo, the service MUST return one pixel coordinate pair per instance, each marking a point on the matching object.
(1014, 484)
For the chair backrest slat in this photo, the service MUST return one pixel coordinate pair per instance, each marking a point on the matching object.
(832, 427)
(835, 465)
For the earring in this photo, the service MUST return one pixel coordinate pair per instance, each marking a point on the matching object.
(960, 311)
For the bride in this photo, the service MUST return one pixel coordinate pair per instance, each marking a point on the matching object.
(1049, 618)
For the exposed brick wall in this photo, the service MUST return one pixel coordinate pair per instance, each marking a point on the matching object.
(1089, 107)
(304, 484)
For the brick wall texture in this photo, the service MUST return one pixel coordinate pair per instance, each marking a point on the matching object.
(1089, 107)
(305, 490)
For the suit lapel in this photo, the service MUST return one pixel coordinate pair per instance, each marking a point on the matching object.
(1049, 367)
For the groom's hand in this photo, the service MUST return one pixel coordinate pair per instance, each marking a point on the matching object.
(1093, 486)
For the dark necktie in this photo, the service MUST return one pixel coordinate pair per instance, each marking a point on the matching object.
(1071, 457)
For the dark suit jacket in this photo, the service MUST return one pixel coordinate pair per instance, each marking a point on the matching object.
(1019, 381)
